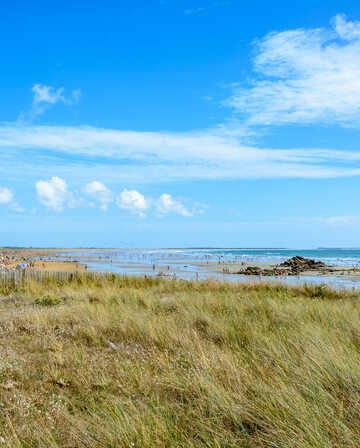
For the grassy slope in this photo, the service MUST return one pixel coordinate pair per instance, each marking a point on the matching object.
(156, 363)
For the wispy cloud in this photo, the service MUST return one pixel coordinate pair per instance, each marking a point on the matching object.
(194, 10)
(45, 97)
(336, 221)
(161, 156)
(304, 76)
(199, 9)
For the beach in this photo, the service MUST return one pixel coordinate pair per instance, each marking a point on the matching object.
(338, 268)
(36, 260)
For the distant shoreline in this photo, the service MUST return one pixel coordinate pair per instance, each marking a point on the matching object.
(65, 259)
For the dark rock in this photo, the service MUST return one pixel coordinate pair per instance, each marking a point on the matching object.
(294, 266)
(299, 264)
(251, 270)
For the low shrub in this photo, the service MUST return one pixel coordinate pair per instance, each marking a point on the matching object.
(48, 301)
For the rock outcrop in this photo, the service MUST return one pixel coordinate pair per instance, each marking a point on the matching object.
(300, 264)
(294, 266)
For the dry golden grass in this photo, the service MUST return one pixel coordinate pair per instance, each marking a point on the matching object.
(157, 363)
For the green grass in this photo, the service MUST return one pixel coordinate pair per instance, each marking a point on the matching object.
(157, 363)
(48, 301)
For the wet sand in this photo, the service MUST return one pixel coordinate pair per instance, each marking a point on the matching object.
(58, 266)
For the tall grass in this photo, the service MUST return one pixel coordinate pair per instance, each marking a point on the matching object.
(155, 363)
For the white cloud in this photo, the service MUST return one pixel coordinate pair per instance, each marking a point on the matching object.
(161, 156)
(50, 95)
(46, 96)
(346, 29)
(213, 5)
(15, 207)
(75, 96)
(54, 193)
(6, 195)
(100, 193)
(133, 201)
(166, 204)
(7, 198)
(338, 221)
(194, 10)
(305, 76)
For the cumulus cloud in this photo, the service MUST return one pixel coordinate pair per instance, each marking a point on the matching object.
(100, 193)
(54, 194)
(6, 195)
(166, 204)
(133, 201)
(305, 76)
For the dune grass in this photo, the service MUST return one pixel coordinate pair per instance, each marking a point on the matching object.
(157, 363)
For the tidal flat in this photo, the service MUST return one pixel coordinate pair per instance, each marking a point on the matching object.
(237, 265)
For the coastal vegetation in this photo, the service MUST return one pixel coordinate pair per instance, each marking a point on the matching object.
(109, 361)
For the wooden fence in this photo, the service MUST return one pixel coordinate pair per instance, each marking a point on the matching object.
(20, 277)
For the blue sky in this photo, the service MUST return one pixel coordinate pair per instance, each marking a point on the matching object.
(169, 123)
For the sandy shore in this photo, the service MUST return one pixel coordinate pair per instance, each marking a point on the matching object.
(32, 258)
(58, 266)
